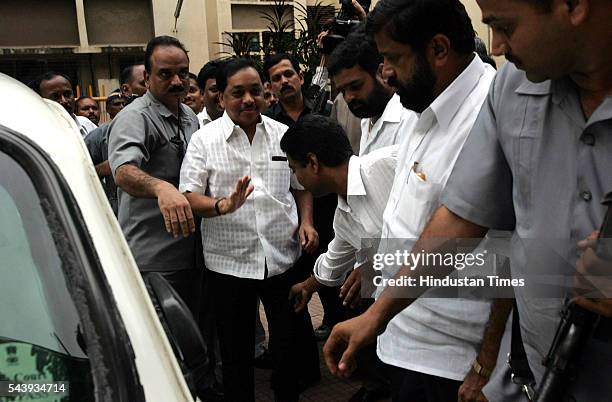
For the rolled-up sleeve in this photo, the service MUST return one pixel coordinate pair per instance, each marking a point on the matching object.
(127, 140)
(194, 171)
(331, 268)
(480, 186)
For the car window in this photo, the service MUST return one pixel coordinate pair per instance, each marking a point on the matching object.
(41, 336)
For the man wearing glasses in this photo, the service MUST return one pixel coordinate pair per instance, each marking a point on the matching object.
(147, 142)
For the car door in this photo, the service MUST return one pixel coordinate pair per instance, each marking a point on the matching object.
(58, 318)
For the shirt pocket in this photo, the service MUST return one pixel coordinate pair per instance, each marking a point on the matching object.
(417, 203)
(279, 176)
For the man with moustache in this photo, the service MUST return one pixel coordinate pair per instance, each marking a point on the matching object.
(87, 107)
(428, 50)
(286, 78)
(146, 146)
(252, 236)
(542, 147)
(207, 81)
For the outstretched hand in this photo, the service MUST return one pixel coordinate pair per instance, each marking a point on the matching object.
(236, 199)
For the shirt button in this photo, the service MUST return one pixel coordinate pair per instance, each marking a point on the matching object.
(586, 195)
(588, 139)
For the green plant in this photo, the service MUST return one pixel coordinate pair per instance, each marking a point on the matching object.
(241, 44)
(283, 36)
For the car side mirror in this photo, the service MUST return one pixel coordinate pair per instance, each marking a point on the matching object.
(181, 328)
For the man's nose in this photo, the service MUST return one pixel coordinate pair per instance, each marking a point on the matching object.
(176, 81)
(499, 46)
(387, 72)
(247, 98)
(349, 96)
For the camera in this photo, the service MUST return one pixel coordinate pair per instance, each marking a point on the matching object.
(346, 20)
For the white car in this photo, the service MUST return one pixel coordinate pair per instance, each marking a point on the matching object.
(74, 309)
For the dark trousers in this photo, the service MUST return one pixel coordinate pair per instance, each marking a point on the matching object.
(412, 386)
(234, 300)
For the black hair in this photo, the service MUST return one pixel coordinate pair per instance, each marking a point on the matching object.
(357, 49)
(415, 22)
(193, 76)
(76, 103)
(49, 75)
(163, 40)
(209, 71)
(127, 73)
(318, 135)
(231, 67)
(274, 59)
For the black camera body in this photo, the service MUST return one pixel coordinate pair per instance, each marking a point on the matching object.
(346, 20)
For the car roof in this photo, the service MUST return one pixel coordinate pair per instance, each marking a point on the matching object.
(48, 125)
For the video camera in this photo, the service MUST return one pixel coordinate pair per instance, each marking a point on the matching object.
(346, 19)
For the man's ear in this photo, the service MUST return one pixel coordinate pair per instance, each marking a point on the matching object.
(301, 74)
(438, 49)
(313, 162)
(577, 11)
(221, 103)
(147, 77)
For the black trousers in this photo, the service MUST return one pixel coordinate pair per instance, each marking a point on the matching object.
(412, 386)
(234, 300)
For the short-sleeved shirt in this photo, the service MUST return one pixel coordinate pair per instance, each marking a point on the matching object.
(97, 145)
(259, 239)
(142, 135)
(535, 164)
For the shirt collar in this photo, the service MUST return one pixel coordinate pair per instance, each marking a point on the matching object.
(204, 116)
(278, 109)
(446, 105)
(393, 111)
(228, 127)
(162, 109)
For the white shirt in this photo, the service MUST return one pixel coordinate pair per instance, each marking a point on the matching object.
(358, 217)
(389, 129)
(439, 337)
(85, 125)
(264, 229)
(204, 118)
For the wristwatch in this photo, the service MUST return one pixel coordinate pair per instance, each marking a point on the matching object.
(480, 369)
(217, 206)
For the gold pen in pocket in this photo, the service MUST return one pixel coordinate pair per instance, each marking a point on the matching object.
(418, 174)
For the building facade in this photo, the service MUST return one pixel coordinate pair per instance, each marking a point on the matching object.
(92, 40)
